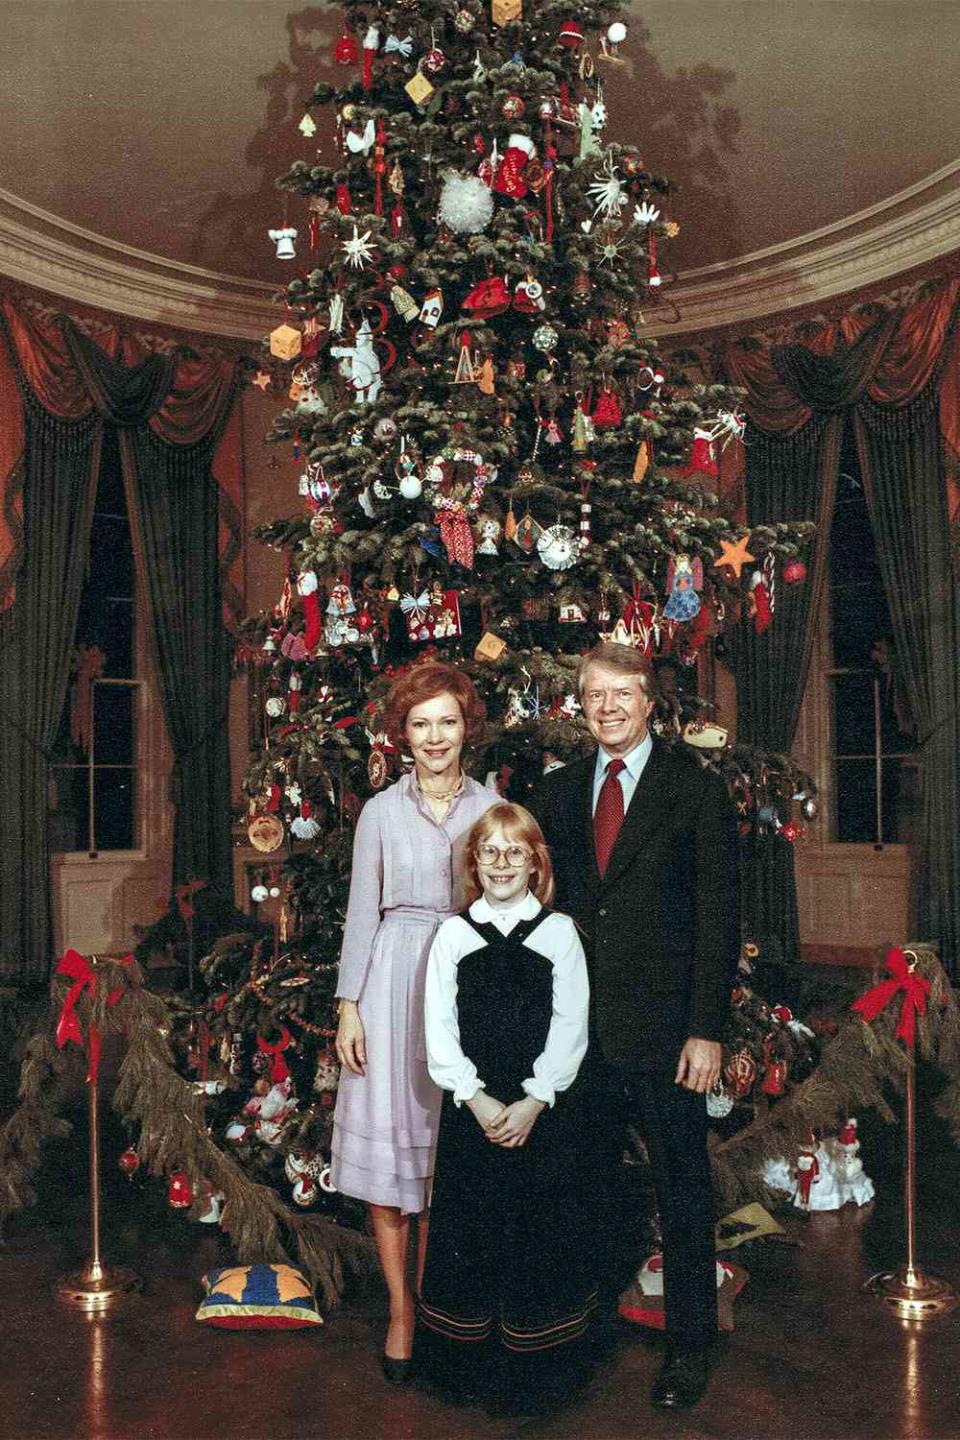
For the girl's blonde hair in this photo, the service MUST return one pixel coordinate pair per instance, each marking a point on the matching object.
(519, 828)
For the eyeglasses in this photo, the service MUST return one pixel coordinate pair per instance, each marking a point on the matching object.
(515, 855)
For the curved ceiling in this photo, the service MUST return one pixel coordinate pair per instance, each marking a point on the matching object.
(163, 126)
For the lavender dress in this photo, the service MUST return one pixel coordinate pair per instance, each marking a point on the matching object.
(404, 883)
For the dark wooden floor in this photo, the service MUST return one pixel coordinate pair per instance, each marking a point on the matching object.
(813, 1355)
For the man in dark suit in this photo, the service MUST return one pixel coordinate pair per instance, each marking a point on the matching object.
(645, 856)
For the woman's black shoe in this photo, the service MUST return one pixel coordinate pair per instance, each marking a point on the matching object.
(396, 1371)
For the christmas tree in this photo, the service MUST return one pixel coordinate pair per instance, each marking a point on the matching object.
(494, 466)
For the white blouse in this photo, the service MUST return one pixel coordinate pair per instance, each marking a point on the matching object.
(557, 940)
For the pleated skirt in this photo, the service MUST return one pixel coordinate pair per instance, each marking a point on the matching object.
(386, 1120)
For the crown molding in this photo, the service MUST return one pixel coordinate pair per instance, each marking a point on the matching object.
(912, 228)
(43, 251)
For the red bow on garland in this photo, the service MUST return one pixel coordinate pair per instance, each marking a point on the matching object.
(279, 1070)
(85, 977)
(915, 989)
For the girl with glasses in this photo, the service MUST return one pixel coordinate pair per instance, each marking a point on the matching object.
(507, 1266)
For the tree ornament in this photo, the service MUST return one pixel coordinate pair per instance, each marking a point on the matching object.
(733, 557)
(485, 376)
(703, 457)
(571, 35)
(285, 342)
(465, 374)
(740, 1072)
(760, 602)
(614, 38)
(309, 599)
(719, 1102)
(654, 278)
(359, 250)
(371, 44)
(583, 433)
(684, 579)
(607, 412)
(432, 309)
(346, 52)
(339, 626)
(129, 1162)
(466, 203)
(490, 647)
(557, 547)
(509, 178)
(464, 21)
(265, 833)
(527, 533)
(545, 338)
(794, 572)
(404, 304)
(644, 213)
(179, 1190)
(304, 827)
(513, 108)
(419, 89)
(307, 126)
(642, 463)
(506, 12)
(488, 530)
(491, 297)
(607, 189)
(528, 296)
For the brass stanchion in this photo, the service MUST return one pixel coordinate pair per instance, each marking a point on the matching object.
(910, 1292)
(96, 1287)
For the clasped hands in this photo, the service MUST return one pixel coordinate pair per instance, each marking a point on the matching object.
(506, 1125)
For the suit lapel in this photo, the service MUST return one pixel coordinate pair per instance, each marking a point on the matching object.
(644, 814)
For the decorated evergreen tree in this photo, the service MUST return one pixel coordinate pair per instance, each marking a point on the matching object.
(494, 465)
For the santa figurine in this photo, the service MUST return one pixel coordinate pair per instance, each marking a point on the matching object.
(508, 179)
(808, 1173)
(855, 1183)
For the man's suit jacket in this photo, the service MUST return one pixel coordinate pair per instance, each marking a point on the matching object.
(661, 928)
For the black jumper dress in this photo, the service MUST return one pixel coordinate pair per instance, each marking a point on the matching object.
(509, 1250)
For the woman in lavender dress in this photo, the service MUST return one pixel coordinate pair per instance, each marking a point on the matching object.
(407, 865)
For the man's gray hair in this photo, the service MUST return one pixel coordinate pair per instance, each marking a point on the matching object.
(622, 659)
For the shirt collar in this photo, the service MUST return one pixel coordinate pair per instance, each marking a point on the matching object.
(634, 760)
(483, 912)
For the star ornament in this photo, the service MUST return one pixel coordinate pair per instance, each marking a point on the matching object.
(358, 249)
(734, 557)
(261, 380)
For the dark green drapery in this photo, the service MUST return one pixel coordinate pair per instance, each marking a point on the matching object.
(890, 376)
(174, 508)
(170, 411)
(790, 478)
(902, 467)
(62, 462)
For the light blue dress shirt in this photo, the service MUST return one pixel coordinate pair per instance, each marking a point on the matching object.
(628, 777)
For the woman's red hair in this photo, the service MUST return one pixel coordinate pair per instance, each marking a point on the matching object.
(425, 682)
(520, 828)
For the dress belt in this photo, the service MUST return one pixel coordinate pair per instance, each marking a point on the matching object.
(417, 912)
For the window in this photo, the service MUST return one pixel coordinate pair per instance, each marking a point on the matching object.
(873, 755)
(93, 792)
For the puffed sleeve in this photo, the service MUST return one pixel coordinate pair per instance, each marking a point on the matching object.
(363, 906)
(556, 1067)
(449, 1067)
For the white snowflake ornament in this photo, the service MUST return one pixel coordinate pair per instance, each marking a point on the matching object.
(358, 249)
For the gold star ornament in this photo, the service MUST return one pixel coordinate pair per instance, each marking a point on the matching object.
(734, 557)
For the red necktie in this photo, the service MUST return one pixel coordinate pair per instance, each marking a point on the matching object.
(608, 816)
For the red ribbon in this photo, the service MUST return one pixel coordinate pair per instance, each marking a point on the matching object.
(279, 1069)
(85, 977)
(915, 991)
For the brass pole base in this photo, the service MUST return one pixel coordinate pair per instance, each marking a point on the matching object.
(912, 1294)
(97, 1288)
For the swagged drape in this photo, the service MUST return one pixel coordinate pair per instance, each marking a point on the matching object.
(897, 377)
(179, 443)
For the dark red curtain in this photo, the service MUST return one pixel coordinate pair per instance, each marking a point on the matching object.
(172, 412)
(895, 375)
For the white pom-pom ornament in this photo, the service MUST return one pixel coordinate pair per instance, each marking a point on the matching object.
(258, 894)
(466, 204)
(411, 487)
(617, 32)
